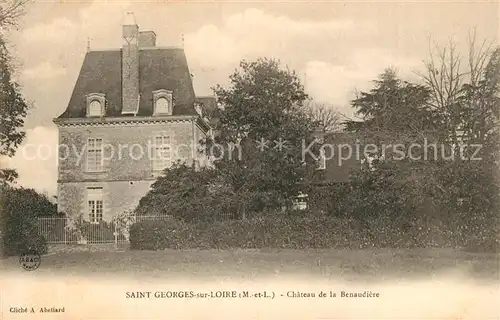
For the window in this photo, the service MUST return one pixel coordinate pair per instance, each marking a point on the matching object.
(163, 102)
(162, 150)
(162, 105)
(95, 109)
(96, 103)
(94, 155)
(95, 204)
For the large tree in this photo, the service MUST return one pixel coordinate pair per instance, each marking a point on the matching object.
(393, 112)
(464, 89)
(13, 106)
(265, 121)
(465, 94)
(393, 105)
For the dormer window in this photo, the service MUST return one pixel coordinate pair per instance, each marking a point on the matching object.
(162, 100)
(95, 108)
(162, 105)
(96, 105)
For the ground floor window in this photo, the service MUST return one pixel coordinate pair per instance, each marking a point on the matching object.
(95, 204)
(162, 152)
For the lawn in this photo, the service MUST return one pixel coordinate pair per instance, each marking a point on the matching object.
(373, 264)
(416, 284)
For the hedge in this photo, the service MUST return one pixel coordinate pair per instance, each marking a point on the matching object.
(303, 233)
(19, 212)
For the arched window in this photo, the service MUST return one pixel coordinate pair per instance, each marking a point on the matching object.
(95, 108)
(96, 104)
(162, 105)
(163, 102)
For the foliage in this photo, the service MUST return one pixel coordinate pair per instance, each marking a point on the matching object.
(400, 203)
(264, 103)
(185, 193)
(461, 193)
(10, 12)
(394, 105)
(19, 212)
(294, 232)
(150, 234)
(13, 106)
(466, 97)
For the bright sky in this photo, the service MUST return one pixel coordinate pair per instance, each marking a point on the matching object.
(335, 47)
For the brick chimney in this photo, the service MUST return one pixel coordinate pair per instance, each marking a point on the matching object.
(130, 66)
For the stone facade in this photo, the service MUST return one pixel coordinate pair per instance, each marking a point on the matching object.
(108, 158)
(127, 148)
(128, 156)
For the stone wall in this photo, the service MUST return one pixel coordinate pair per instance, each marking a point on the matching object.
(118, 196)
(128, 162)
(128, 149)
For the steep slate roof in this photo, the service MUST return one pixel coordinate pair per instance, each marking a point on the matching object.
(159, 68)
(339, 170)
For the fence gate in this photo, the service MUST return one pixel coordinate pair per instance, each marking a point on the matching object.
(63, 230)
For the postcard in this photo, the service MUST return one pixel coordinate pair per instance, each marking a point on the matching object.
(249, 159)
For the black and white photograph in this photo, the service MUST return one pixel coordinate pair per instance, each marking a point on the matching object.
(249, 159)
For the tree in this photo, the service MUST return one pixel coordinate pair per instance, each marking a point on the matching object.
(13, 106)
(393, 105)
(181, 192)
(465, 95)
(458, 107)
(328, 118)
(394, 112)
(464, 90)
(10, 12)
(261, 130)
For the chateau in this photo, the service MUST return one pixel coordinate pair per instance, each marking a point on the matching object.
(132, 113)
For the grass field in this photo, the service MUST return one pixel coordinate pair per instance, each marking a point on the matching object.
(413, 284)
(346, 264)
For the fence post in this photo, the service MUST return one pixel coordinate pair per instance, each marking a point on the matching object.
(115, 224)
(65, 230)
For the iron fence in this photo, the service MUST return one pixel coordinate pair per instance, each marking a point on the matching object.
(64, 230)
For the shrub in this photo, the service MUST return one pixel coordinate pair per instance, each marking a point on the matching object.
(19, 212)
(302, 232)
(182, 192)
(159, 234)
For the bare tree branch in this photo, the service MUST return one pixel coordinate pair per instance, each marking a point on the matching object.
(10, 12)
(328, 118)
(465, 95)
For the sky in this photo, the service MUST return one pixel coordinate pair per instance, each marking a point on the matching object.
(335, 47)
